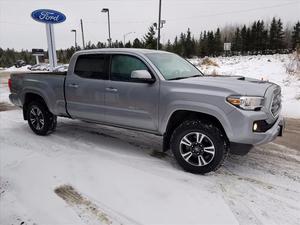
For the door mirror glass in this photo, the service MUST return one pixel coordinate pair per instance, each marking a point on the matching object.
(142, 76)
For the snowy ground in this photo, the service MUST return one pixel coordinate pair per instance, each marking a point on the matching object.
(267, 67)
(124, 180)
(91, 174)
(122, 175)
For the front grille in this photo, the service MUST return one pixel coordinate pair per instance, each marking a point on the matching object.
(276, 102)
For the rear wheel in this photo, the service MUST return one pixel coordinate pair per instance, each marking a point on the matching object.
(40, 119)
(198, 147)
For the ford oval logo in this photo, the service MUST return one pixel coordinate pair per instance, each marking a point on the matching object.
(48, 16)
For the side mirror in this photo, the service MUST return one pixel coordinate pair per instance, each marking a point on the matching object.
(142, 76)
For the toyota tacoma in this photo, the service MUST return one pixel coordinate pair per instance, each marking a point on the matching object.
(201, 118)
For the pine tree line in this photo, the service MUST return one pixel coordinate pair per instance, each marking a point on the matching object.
(258, 38)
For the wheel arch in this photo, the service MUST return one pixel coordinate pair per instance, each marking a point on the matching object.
(179, 116)
(30, 97)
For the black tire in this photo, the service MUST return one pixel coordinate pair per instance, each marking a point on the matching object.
(38, 111)
(210, 152)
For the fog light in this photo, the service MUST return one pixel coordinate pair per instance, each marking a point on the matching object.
(255, 126)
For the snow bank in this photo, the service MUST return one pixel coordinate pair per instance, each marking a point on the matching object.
(15, 69)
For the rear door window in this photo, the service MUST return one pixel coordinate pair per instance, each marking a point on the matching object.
(93, 66)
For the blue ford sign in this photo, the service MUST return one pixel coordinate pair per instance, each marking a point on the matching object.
(48, 16)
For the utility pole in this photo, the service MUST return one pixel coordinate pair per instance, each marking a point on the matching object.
(106, 10)
(158, 25)
(83, 43)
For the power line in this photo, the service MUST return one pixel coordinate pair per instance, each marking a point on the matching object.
(236, 11)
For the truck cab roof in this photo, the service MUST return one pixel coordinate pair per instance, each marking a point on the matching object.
(120, 50)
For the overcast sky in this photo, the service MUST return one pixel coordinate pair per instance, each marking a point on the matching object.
(18, 30)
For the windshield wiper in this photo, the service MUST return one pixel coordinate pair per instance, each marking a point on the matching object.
(179, 78)
(196, 76)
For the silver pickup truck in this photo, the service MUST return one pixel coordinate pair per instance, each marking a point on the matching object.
(201, 118)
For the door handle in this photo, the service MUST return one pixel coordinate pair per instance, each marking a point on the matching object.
(73, 85)
(111, 89)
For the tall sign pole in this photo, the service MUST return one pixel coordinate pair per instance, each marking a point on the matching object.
(49, 17)
(158, 25)
(51, 46)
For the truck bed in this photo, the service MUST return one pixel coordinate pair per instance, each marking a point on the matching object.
(48, 84)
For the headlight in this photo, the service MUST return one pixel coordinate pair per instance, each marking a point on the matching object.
(246, 102)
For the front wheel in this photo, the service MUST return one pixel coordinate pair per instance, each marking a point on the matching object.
(199, 147)
(40, 119)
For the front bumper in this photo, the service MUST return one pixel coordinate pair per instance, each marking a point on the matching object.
(268, 136)
(242, 127)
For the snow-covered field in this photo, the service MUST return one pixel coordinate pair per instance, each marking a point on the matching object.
(91, 174)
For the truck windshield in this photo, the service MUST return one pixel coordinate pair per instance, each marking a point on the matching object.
(172, 66)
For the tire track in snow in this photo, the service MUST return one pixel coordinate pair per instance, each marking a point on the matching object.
(88, 211)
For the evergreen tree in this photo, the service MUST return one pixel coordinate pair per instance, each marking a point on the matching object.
(296, 35)
(237, 42)
(194, 46)
(169, 47)
(253, 37)
(276, 35)
(244, 46)
(182, 40)
(188, 45)
(176, 46)
(264, 37)
(248, 40)
(128, 45)
(203, 45)
(261, 36)
(210, 43)
(101, 45)
(137, 43)
(280, 35)
(273, 34)
(149, 38)
(218, 43)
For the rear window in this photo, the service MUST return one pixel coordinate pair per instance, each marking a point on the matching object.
(92, 66)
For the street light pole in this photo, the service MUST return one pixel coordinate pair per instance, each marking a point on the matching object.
(126, 35)
(75, 38)
(106, 10)
(158, 25)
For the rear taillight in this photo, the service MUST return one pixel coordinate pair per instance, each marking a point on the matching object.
(9, 84)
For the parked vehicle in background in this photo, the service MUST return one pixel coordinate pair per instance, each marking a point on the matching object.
(61, 68)
(45, 67)
(199, 117)
(34, 67)
(20, 63)
(40, 67)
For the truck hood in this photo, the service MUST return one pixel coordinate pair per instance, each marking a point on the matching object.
(235, 84)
